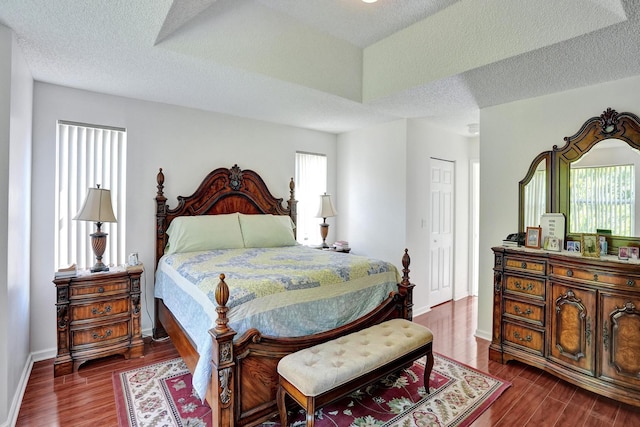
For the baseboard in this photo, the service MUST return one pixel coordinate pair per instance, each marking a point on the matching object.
(12, 417)
(420, 310)
(485, 335)
(41, 355)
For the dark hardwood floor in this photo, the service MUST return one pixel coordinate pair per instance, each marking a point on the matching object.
(85, 398)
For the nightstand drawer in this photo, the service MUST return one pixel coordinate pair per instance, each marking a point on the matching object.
(100, 334)
(100, 309)
(525, 285)
(98, 288)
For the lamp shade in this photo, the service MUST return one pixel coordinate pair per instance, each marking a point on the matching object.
(326, 207)
(97, 206)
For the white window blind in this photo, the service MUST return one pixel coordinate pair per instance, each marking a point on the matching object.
(311, 182)
(603, 197)
(87, 156)
(535, 199)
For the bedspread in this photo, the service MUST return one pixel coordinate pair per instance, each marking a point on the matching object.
(283, 292)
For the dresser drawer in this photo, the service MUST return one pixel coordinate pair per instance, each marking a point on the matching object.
(522, 336)
(100, 309)
(98, 288)
(524, 311)
(596, 276)
(100, 334)
(526, 264)
(525, 285)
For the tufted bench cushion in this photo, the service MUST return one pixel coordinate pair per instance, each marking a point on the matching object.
(340, 366)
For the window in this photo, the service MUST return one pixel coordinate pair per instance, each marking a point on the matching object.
(311, 182)
(87, 156)
(603, 197)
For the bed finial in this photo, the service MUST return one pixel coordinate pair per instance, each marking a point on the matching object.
(222, 297)
(406, 260)
(160, 179)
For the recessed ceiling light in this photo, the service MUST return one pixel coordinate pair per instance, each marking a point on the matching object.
(369, 1)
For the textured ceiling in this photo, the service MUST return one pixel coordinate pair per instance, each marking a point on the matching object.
(330, 65)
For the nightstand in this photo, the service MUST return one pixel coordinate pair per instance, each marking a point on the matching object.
(98, 314)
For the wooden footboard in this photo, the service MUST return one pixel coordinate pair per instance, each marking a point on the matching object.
(244, 379)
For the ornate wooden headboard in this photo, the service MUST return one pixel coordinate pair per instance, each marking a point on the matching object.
(222, 191)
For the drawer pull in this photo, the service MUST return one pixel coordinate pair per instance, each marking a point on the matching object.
(101, 290)
(523, 265)
(517, 335)
(528, 287)
(569, 272)
(101, 337)
(106, 310)
(631, 282)
(520, 312)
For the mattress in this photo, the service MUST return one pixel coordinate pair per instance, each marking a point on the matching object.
(283, 292)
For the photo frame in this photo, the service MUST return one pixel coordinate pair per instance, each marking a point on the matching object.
(634, 252)
(552, 243)
(553, 224)
(573, 246)
(532, 239)
(590, 245)
(623, 253)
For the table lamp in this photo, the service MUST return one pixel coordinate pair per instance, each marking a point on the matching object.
(97, 208)
(326, 210)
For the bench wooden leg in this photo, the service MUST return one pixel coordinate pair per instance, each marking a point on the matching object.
(311, 410)
(428, 366)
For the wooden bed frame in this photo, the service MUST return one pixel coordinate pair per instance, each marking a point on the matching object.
(244, 379)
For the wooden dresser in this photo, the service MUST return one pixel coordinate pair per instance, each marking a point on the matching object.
(575, 317)
(98, 314)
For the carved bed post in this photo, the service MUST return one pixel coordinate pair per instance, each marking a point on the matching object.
(292, 204)
(405, 287)
(161, 214)
(222, 389)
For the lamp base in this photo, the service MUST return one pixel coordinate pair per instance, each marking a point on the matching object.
(99, 244)
(99, 266)
(324, 232)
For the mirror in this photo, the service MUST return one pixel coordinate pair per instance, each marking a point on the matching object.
(606, 141)
(534, 192)
(602, 189)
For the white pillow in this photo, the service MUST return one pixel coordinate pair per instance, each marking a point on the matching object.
(267, 231)
(204, 233)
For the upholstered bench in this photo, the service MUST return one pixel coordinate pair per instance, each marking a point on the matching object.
(318, 375)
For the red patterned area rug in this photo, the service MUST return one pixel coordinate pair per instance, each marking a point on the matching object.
(161, 395)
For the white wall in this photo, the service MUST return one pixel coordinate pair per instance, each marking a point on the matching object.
(372, 178)
(384, 186)
(426, 141)
(16, 95)
(186, 143)
(511, 135)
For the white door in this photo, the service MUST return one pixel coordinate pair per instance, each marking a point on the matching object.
(441, 244)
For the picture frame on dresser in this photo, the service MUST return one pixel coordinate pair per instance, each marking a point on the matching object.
(590, 245)
(532, 239)
(573, 246)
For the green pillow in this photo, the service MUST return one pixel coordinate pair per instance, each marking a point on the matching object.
(204, 233)
(267, 231)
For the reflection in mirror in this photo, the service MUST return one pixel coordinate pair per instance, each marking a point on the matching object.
(535, 196)
(602, 189)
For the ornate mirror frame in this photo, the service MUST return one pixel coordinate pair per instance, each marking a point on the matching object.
(610, 124)
(522, 185)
